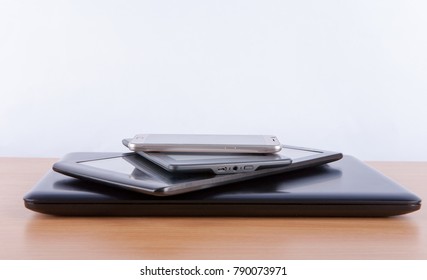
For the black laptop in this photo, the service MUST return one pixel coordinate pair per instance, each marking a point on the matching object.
(344, 188)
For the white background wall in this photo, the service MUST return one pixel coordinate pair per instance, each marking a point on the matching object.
(349, 76)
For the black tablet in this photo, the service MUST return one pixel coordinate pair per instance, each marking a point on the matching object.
(132, 172)
(216, 163)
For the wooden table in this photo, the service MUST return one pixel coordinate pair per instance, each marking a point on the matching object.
(28, 235)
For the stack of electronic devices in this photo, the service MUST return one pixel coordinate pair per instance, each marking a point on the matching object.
(217, 175)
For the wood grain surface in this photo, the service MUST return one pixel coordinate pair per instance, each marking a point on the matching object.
(29, 235)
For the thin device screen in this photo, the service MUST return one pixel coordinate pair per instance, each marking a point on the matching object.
(136, 168)
(116, 164)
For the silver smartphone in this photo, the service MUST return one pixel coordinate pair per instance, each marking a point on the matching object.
(205, 143)
(214, 162)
